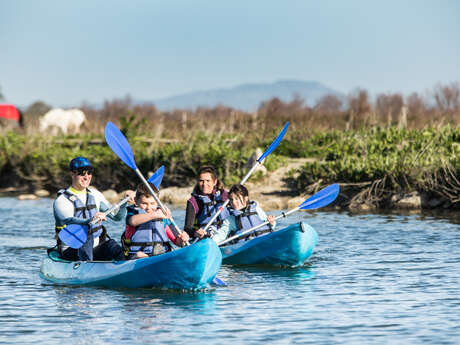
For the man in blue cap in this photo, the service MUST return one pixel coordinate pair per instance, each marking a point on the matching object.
(79, 204)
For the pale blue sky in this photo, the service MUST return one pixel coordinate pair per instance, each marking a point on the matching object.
(66, 52)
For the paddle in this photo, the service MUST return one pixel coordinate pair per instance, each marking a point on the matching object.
(157, 177)
(120, 146)
(75, 235)
(259, 161)
(219, 282)
(324, 197)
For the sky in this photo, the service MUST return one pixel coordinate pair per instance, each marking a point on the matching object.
(68, 52)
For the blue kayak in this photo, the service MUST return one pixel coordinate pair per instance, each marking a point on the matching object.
(290, 246)
(191, 267)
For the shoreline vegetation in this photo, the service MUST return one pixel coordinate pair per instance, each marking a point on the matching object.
(395, 153)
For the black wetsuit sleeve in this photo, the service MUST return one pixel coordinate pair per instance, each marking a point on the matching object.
(189, 219)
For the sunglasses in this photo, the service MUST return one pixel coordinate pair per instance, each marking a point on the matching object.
(83, 171)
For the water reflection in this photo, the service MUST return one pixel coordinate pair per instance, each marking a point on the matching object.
(373, 278)
(138, 313)
(262, 273)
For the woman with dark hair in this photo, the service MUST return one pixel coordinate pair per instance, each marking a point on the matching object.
(207, 197)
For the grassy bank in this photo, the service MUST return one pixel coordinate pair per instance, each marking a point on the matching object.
(37, 162)
(383, 162)
(374, 162)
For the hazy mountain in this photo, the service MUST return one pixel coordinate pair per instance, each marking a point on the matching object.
(248, 96)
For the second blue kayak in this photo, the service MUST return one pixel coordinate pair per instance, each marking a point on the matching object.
(290, 246)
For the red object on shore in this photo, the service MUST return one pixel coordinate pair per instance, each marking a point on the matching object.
(10, 112)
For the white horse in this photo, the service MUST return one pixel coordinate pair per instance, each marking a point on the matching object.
(65, 120)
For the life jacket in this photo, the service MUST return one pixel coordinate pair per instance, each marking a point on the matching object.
(85, 211)
(149, 237)
(209, 207)
(248, 218)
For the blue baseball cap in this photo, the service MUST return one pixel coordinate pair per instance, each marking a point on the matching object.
(79, 162)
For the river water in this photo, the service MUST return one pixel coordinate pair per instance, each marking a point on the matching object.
(373, 279)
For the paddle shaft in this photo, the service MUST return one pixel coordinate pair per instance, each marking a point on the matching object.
(176, 229)
(269, 150)
(74, 229)
(282, 215)
(322, 198)
(221, 208)
(254, 167)
(114, 207)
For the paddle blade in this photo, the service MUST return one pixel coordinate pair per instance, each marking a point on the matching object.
(74, 235)
(322, 198)
(119, 145)
(157, 177)
(274, 144)
(218, 282)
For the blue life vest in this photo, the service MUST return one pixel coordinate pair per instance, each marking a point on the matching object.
(85, 211)
(209, 208)
(248, 218)
(147, 235)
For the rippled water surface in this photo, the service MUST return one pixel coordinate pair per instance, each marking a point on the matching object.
(373, 279)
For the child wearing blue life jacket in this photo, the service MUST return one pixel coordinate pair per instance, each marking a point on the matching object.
(148, 230)
(244, 214)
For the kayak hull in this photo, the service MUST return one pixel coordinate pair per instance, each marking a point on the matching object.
(191, 267)
(290, 246)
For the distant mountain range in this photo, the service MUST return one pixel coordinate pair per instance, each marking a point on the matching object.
(248, 97)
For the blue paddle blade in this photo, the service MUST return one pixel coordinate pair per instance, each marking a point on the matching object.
(322, 198)
(218, 282)
(74, 235)
(119, 145)
(275, 143)
(157, 177)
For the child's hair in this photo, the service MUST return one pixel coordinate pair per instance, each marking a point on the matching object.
(210, 170)
(239, 189)
(142, 190)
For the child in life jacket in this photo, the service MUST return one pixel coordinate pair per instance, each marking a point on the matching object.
(148, 230)
(244, 214)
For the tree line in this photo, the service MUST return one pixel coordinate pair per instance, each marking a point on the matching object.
(439, 106)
